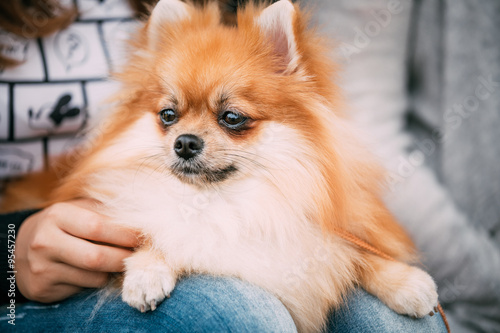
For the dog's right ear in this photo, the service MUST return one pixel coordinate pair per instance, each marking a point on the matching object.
(166, 12)
(277, 24)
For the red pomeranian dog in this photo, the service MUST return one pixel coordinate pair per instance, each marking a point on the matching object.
(229, 151)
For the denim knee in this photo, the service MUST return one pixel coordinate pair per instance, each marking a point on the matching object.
(225, 304)
(366, 313)
(199, 303)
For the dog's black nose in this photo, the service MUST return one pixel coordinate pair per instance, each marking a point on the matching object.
(188, 146)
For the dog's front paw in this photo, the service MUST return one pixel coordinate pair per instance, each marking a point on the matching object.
(416, 296)
(146, 283)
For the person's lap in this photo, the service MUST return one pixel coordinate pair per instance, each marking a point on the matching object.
(207, 304)
(366, 313)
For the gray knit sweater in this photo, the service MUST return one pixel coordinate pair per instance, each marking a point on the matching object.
(423, 79)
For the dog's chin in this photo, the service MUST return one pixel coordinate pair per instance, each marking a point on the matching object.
(197, 174)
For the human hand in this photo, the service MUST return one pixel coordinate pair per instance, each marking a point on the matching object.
(56, 256)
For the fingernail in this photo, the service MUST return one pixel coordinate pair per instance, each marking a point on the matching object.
(153, 305)
(435, 309)
(431, 313)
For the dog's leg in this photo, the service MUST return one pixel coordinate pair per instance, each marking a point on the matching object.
(148, 279)
(405, 289)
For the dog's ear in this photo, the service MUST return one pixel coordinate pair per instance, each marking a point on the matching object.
(164, 13)
(277, 24)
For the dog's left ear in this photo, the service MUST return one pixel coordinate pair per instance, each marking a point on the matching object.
(277, 24)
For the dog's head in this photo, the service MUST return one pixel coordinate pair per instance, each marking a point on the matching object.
(227, 100)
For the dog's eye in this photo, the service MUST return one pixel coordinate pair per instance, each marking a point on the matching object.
(232, 120)
(168, 116)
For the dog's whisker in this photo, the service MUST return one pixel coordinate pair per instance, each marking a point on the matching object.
(238, 151)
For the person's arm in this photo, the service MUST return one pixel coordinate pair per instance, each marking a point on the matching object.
(67, 247)
(462, 259)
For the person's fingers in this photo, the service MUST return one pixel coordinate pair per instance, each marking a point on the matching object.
(73, 276)
(86, 255)
(84, 223)
(42, 289)
(60, 292)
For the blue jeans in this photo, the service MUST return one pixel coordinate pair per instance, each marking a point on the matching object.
(203, 303)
